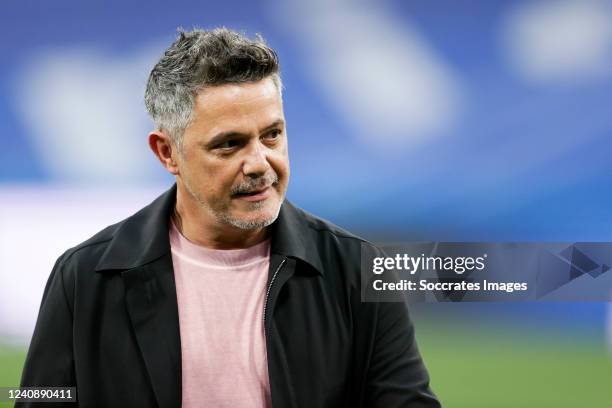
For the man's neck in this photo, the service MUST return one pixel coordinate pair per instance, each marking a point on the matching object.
(192, 226)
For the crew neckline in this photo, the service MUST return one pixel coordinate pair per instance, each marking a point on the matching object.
(181, 246)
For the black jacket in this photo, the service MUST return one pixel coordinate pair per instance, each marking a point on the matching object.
(108, 322)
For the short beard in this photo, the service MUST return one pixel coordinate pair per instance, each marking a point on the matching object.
(222, 215)
(247, 225)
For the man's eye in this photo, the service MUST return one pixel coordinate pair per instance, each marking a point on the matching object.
(228, 144)
(273, 134)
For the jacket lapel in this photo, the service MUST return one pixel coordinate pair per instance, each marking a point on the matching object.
(140, 250)
(152, 307)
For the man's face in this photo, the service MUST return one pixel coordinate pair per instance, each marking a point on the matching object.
(234, 160)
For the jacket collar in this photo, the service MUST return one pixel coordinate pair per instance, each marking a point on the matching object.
(143, 237)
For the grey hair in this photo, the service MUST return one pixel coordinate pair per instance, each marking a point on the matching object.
(198, 59)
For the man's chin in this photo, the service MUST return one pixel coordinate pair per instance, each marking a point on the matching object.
(251, 223)
(254, 219)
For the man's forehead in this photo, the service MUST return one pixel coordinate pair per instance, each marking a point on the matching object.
(217, 98)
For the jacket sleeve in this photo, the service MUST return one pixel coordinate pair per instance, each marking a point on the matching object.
(50, 362)
(397, 376)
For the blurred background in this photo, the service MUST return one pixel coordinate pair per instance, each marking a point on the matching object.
(442, 120)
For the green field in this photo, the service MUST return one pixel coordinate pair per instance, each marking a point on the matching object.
(503, 368)
(485, 366)
(11, 362)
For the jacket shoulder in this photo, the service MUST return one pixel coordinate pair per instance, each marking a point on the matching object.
(326, 229)
(337, 250)
(89, 251)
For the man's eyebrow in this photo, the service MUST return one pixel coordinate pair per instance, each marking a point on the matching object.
(276, 123)
(232, 134)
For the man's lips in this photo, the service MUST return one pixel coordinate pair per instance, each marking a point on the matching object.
(255, 195)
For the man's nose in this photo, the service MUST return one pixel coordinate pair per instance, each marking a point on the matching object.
(256, 163)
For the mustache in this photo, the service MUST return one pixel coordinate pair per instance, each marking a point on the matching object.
(254, 184)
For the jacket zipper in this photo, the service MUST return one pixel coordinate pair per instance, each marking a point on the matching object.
(265, 308)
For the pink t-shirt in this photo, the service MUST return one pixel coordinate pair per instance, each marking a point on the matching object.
(220, 296)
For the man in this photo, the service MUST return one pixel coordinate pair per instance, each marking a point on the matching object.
(221, 292)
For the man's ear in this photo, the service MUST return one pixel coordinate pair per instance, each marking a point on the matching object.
(165, 150)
